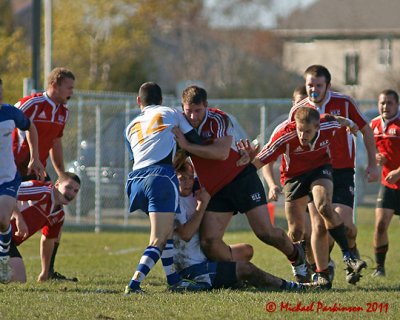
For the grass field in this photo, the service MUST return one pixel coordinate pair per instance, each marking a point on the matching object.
(105, 262)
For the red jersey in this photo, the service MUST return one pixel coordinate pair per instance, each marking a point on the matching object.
(216, 174)
(298, 159)
(49, 120)
(337, 104)
(387, 139)
(36, 203)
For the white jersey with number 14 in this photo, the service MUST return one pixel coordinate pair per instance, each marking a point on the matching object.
(149, 136)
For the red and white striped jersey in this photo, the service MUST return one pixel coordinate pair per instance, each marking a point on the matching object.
(35, 201)
(298, 159)
(337, 104)
(216, 174)
(387, 139)
(49, 119)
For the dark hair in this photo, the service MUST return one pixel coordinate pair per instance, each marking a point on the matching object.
(388, 92)
(69, 175)
(150, 93)
(58, 74)
(194, 95)
(300, 90)
(307, 115)
(317, 70)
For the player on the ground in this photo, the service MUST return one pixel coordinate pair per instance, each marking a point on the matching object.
(152, 185)
(232, 188)
(190, 260)
(10, 180)
(386, 129)
(49, 112)
(318, 86)
(304, 145)
(40, 207)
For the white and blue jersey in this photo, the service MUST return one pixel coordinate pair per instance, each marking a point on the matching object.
(189, 253)
(149, 136)
(152, 185)
(10, 118)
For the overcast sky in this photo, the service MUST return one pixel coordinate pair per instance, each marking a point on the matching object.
(255, 15)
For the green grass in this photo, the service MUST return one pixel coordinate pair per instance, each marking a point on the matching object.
(105, 262)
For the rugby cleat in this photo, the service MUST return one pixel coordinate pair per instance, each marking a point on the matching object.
(355, 265)
(321, 281)
(59, 277)
(297, 286)
(331, 269)
(5, 270)
(354, 268)
(379, 272)
(129, 290)
(188, 285)
(299, 267)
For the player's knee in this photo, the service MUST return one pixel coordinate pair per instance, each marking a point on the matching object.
(242, 252)
(296, 234)
(210, 247)
(325, 209)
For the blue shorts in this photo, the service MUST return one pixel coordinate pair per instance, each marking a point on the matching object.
(222, 274)
(153, 189)
(11, 188)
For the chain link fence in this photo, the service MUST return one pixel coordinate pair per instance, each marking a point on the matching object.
(94, 148)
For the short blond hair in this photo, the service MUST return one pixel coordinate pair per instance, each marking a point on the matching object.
(307, 115)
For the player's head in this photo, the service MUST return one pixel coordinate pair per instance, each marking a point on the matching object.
(149, 94)
(185, 174)
(307, 124)
(299, 93)
(60, 85)
(388, 104)
(68, 185)
(318, 82)
(194, 104)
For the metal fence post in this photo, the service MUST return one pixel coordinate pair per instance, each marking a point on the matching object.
(126, 162)
(78, 212)
(97, 198)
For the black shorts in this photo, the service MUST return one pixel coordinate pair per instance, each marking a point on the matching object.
(226, 275)
(389, 198)
(343, 187)
(300, 186)
(244, 193)
(14, 253)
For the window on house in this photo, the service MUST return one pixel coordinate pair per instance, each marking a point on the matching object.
(352, 68)
(385, 52)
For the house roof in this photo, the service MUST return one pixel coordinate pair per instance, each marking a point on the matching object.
(345, 15)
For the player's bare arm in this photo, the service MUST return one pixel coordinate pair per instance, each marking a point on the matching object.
(22, 228)
(187, 230)
(57, 156)
(349, 124)
(46, 250)
(369, 141)
(218, 150)
(274, 188)
(393, 176)
(35, 164)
